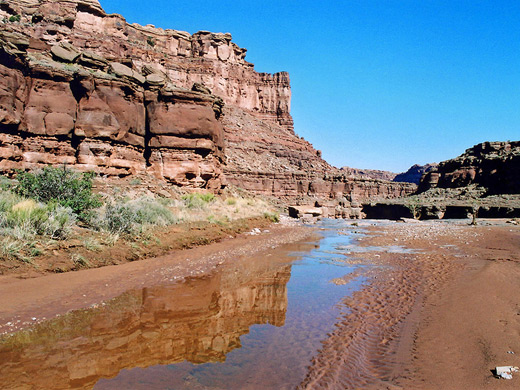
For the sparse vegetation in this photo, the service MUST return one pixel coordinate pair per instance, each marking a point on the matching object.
(15, 18)
(23, 218)
(40, 209)
(273, 217)
(61, 186)
(414, 205)
(197, 200)
(134, 217)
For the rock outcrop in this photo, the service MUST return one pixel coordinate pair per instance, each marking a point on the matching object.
(87, 89)
(414, 174)
(491, 166)
(369, 173)
(265, 158)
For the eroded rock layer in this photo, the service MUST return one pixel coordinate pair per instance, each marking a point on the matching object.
(88, 89)
(492, 166)
(271, 160)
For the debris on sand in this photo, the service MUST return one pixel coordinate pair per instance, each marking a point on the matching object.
(505, 372)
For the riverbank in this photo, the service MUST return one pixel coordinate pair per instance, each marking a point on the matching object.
(440, 316)
(24, 302)
(87, 251)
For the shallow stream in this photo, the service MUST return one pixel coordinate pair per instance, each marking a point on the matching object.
(253, 324)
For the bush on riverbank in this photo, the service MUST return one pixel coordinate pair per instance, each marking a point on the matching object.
(40, 209)
(134, 216)
(62, 186)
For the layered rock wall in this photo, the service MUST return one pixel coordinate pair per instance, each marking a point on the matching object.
(493, 166)
(204, 57)
(268, 159)
(88, 89)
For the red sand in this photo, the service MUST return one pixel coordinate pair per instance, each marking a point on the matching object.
(439, 319)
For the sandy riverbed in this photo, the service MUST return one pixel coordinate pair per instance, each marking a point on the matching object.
(441, 318)
(26, 301)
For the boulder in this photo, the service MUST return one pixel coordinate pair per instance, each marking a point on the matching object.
(93, 60)
(65, 53)
(197, 87)
(301, 211)
(125, 72)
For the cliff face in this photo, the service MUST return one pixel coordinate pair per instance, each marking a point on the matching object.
(369, 173)
(88, 89)
(493, 166)
(414, 174)
(269, 159)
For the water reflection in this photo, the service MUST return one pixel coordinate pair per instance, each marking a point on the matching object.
(199, 320)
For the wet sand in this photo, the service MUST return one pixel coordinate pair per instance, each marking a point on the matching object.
(441, 318)
(24, 302)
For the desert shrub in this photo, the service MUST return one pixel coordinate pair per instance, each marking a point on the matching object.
(135, 216)
(62, 186)
(5, 183)
(14, 18)
(273, 217)
(23, 218)
(231, 201)
(414, 205)
(119, 218)
(197, 201)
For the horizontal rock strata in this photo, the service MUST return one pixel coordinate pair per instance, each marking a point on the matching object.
(493, 166)
(87, 89)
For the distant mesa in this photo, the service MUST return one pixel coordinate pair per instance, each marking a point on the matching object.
(492, 166)
(415, 173)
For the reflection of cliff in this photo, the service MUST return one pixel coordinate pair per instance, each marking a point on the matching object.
(200, 320)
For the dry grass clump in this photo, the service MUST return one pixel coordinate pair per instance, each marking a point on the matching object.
(39, 210)
(221, 210)
(124, 216)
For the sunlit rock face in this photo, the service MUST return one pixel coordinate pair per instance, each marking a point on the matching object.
(88, 89)
(493, 166)
(271, 160)
(200, 320)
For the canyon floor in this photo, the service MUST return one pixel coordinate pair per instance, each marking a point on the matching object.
(440, 317)
(437, 309)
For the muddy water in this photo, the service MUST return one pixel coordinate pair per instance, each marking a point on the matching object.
(253, 324)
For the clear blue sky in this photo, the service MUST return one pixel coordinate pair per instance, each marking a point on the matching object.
(376, 84)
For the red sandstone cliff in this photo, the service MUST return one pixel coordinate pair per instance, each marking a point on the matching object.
(88, 89)
(492, 166)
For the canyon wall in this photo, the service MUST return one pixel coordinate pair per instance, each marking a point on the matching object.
(87, 89)
(492, 166)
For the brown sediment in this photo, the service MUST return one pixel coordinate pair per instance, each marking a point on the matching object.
(60, 256)
(44, 297)
(441, 318)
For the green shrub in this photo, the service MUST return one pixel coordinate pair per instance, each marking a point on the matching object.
(231, 201)
(119, 218)
(24, 218)
(273, 217)
(5, 183)
(14, 18)
(135, 216)
(62, 186)
(197, 201)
